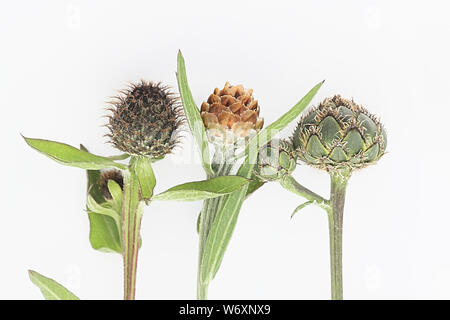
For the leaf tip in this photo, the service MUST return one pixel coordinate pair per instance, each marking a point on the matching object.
(31, 273)
(180, 55)
(24, 138)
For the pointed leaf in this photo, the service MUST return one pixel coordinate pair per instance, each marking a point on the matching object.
(300, 207)
(205, 189)
(51, 290)
(193, 115)
(222, 228)
(70, 156)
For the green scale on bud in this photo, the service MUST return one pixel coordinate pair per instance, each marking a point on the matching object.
(339, 135)
(276, 160)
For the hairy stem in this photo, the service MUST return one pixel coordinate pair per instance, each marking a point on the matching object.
(132, 209)
(335, 222)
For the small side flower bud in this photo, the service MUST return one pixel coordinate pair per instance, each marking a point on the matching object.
(107, 175)
(276, 160)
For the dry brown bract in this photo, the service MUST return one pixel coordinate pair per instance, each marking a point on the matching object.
(233, 108)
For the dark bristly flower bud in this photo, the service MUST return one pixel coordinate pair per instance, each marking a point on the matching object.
(105, 176)
(145, 120)
(276, 160)
(339, 134)
(230, 114)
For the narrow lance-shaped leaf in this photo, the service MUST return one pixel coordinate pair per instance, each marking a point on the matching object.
(205, 189)
(300, 207)
(193, 115)
(222, 228)
(225, 220)
(51, 290)
(71, 156)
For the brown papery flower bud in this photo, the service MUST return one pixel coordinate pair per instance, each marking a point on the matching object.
(231, 111)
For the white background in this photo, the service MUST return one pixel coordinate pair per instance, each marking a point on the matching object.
(61, 60)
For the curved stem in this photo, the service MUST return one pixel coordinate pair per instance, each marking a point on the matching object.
(289, 183)
(335, 223)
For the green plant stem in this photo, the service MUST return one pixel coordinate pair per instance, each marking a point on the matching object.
(207, 215)
(132, 210)
(335, 222)
(204, 227)
(289, 183)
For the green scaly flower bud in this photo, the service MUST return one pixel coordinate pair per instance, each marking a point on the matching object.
(276, 160)
(339, 135)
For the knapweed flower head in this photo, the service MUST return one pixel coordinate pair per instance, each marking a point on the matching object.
(145, 120)
(276, 160)
(339, 134)
(231, 114)
(105, 176)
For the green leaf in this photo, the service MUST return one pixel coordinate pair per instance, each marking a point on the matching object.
(198, 221)
(122, 156)
(222, 228)
(205, 189)
(143, 169)
(70, 156)
(116, 193)
(51, 290)
(266, 134)
(104, 234)
(193, 115)
(254, 185)
(104, 209)
(300, 207)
